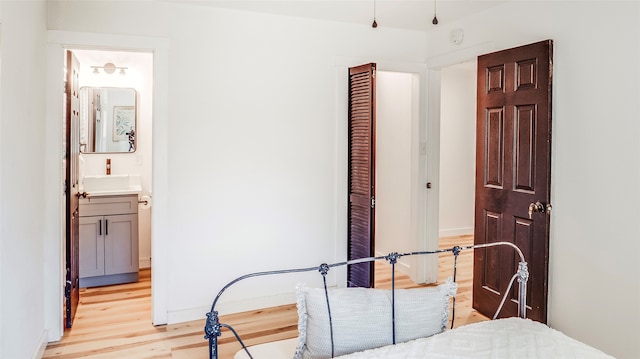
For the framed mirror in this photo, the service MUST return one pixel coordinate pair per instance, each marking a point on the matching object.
(108, 117)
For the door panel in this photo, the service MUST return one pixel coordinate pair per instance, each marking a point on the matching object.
(121, 244)
(493, 165)
(72, 151)
(92, 244)
(361, 173)
(525, 156)
(513, 165)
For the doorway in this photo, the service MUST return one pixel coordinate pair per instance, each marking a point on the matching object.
(114, 77)
(457, 150)
(387, 131)
(396, 112)
(514, 147)
(58, 41)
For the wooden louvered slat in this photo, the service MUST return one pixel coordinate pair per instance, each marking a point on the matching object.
(361, 169)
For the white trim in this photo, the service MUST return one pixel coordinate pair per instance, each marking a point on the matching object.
(432, 144)
(160, 231)
(342, 105)
(232, 306)
(187, 315)
(41, 346)
(89, 40)
(59, 41)
(462, 55)
(435, 64)
(54, 276)
(144, 262)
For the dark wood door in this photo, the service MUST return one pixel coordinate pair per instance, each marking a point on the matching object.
(513, 170)
(362, 99)
(72, 151)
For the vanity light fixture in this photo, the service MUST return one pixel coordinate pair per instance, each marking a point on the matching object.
(109, 68)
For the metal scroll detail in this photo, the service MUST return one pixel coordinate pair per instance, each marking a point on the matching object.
(212, 330)
(523, 278)
(213, 327)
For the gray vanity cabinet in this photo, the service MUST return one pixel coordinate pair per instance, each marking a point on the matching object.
(108, 240)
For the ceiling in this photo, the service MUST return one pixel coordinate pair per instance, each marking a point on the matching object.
(403, 14)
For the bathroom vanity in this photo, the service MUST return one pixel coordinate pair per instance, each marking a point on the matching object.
(108, 239)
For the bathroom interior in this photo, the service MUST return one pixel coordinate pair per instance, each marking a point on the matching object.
(114, 164)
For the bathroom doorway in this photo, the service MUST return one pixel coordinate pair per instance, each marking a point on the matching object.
(109, 73)
(57, 45)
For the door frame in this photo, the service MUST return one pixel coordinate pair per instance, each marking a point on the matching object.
(58, 42)
(425, 270)
(435, 65)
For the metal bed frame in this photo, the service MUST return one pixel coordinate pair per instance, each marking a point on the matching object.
(213, 327)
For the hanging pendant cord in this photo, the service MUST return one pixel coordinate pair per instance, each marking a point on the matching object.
(375, 23)
(435, 18)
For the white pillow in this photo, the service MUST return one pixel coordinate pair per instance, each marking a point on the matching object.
(361, 318)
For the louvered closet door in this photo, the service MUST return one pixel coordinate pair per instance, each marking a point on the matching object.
(361, 173)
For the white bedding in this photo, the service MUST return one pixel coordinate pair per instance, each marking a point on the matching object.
(502, 338)
(494, 339)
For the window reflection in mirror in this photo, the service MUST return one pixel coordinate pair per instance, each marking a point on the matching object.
(107, 119)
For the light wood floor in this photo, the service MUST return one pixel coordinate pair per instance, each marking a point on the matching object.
(115, 321)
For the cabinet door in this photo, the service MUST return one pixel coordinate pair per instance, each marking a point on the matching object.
(91, 246)
(121, 244)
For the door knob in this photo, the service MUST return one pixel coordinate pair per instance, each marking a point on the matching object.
(538, 207)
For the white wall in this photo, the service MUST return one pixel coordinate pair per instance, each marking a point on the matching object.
(22, 179)
(594, 289)
(457, 149)
(224, 155)
(394, 119)
(263, 144)
(252, 141)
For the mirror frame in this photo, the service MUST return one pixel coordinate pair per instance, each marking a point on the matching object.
(126, 113)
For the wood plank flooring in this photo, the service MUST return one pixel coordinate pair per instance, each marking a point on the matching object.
(115, 321)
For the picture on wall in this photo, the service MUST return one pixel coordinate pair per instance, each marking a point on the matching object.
(124, 120)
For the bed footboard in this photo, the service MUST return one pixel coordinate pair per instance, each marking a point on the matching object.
(213, 327)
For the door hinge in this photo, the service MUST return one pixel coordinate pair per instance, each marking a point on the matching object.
(373, 202)
(67, 289)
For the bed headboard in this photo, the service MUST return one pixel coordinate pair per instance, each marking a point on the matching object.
(213, 327)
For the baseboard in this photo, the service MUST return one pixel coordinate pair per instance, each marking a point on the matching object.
(187, 315)
(144, 263)
(42, 345)
(229, 307)
(452, 232)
